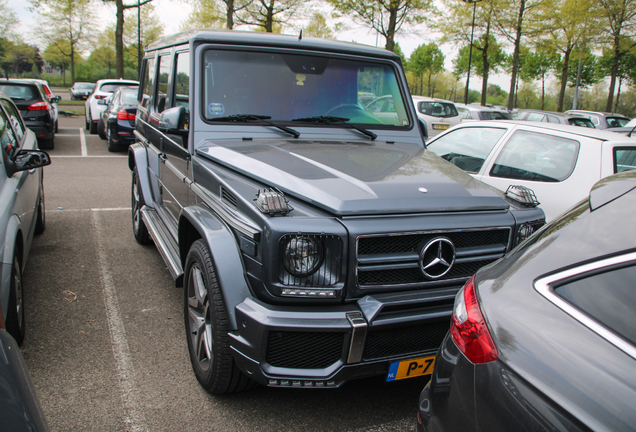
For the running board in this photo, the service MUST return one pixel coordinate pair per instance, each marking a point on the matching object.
(168, 248)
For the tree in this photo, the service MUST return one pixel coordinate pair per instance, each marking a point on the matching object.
(205, 14)
(267, 14)
(23, 58)
(119, 32)
(70, 21)
(426, 59)
(385, 17)
(567, 24)
(510, 19)
(537, 66)
(56, 57)
(626, 69)
(318, 27)
(8, 20)
(620, 16)
(104, 57)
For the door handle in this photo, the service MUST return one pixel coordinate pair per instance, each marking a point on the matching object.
(163, 157)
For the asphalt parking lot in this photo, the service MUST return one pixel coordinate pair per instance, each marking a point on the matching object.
(105, 341)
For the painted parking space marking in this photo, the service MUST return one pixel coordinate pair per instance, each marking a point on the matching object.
(83, 142)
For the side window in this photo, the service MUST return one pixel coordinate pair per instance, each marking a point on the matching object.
(536, 157)
(7, 139)
(536, 117)
(182, 85)
(552, 119)
(624, 159)
(467, 148)
(15, 119)
(161, 101)
(149, 79)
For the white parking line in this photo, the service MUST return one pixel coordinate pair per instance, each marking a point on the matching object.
(83, 142)
(94, 209)
(133, 414)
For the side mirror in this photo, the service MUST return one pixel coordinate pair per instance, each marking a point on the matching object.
(25, 160)
(174, 121)
(56, 99)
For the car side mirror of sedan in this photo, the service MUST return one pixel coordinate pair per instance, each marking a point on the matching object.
(25, 160)
(56, 99)
(174, 121)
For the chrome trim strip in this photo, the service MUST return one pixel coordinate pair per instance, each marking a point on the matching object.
(543, 287)
(228, 216)
(358, 337)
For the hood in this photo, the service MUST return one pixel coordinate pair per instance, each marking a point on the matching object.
(356, 177)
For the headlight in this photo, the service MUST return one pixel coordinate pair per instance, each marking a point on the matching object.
(302, 256)
(525, 230)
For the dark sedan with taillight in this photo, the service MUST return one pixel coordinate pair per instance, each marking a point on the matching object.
(35, 107)
(545, 339)
(118, 119)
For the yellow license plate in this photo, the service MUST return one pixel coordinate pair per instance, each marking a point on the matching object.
(411, 368)
(440, 126)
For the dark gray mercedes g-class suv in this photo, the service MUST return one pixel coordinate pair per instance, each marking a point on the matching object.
(315, 241)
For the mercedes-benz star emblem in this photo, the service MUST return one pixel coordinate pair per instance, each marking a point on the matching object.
(437, 257)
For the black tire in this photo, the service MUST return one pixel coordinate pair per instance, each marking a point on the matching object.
(139, 228)
(56, 126)
(207, 326)
(112, 147)
(101, 129)
(40, 218)
(88, 123)
(15, 323)
(93, 127)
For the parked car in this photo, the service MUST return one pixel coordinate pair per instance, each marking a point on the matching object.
(384, 109)
(545, 339)
(552, 117)
(314, 243)
(601, 120)
(81, 90)
(22, 212)
(560, 163)
(103, 89)
(20, 409)
(51, 97)
(118, 119)
(629, 129)
(37, 110)
(439, 114)
(479, 112)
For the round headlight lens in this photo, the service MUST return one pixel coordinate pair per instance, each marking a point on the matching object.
(302, 256)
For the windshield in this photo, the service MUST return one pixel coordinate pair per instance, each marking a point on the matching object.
(287, 87)
(82, 86)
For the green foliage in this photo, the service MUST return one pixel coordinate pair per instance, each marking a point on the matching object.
(21, 59)
(318, 27)
(205, 14)
(590, 71)
(426, 61)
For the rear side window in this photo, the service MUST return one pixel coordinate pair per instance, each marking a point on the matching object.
(464, 113)
(438, 109)
(162, 99)
(624, 159)
(182, 85)
(608, 297)
(536, 117)
(7, 138)
(583, 122)
(538, 157)
(467, 148)
(494, 115)
(149, 79)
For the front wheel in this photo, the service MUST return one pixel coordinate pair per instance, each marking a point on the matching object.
(207, 326)
(15, 324)
(110, 143)
(139, 228)
(101, 128)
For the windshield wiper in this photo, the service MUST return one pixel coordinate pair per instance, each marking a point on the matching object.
(342, 120)
(250, 117)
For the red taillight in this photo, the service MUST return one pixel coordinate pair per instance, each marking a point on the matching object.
(468, 327)
(125, 115)
(100, 97)
(39, 106)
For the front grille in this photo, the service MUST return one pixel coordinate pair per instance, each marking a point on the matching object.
(405, 340)
(304, 350)
(392, 260)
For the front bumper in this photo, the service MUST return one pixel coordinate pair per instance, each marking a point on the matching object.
(318, 347)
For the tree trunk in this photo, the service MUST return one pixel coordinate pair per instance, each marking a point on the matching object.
(484, 76)
(618, 94)
(614, 73)
(119, 43)
(564, 78)
(269, 20)
(390, 34)
(229, 14)
(543, 92)
(515, 56)
(72, 63)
